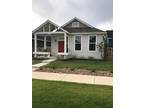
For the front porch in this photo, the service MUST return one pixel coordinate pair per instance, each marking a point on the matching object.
(53, 44)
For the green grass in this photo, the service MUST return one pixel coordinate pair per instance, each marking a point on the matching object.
(82, 64)
(54, 94)
(36, 61)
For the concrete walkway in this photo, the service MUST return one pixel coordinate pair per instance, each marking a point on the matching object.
(44, 62)
(73, 78)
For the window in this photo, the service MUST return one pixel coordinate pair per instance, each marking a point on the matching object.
(48, 43)
(92, 43)
(75, 24)
(77, 43)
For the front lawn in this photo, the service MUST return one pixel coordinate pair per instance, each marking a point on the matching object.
(82, 64)
(36, 61)
(54, 94)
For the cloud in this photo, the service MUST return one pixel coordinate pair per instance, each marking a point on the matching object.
(94, 12)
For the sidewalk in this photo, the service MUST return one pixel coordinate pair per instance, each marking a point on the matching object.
(44, 62)
(100, 80)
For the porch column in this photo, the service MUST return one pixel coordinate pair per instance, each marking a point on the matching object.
(35, 44)
(44, 42)
(64, 43)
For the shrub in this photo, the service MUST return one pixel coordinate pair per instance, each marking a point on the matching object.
(72, 69)
(53, 67)
(93, 70)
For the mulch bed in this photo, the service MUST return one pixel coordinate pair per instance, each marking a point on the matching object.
(77, 71)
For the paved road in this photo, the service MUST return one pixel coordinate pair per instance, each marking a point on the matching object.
(100, 80)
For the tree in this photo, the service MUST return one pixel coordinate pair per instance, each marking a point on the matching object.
(103, 48)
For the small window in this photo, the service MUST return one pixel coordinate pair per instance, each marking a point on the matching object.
(92, 43)
(75, 24)
(77, 43)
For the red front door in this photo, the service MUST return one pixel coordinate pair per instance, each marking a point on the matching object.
(60, 46)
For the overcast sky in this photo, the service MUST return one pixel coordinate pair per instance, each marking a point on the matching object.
(98, 13)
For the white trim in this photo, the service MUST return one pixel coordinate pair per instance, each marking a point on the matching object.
(65, 42)
(47, 21)
(62, 53)
(74, 43)
(90, 33)
(55, 30)
(64, 30)
(42, 53)
(95, 43)
(49, 32)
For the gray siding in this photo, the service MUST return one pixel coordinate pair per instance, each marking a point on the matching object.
(84, 53)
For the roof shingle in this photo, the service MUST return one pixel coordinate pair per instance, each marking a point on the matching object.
(83, 30)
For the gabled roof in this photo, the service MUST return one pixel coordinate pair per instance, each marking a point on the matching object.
(75, 18)
(47, 21)
(83, 30)
(88, 27)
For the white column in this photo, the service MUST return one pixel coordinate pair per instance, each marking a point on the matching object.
(44, 42)
(64, 43)
(35, 44)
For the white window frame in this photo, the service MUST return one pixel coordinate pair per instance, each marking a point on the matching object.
(95, 43)
(74, 43)
(76, 24)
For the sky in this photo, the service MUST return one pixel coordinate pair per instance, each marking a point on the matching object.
(98, 13)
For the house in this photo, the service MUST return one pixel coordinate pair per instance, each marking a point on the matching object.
(75, 38)
(110, 38)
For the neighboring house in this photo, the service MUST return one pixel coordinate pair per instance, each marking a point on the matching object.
(75, 38)
(110, 38)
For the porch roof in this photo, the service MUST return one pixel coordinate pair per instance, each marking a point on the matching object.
(49, 32)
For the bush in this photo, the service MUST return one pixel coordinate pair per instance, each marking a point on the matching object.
(93, 70)
(72, 69)
(53, 67)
